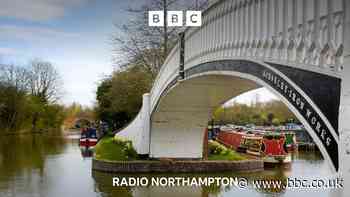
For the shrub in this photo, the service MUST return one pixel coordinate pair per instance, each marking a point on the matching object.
(218, 151)
(216, 148)
(128, 148)
(115, 149)
(120, 140)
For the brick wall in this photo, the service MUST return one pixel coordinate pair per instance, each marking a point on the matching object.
(177, 166)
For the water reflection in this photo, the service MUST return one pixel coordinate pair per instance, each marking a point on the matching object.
(29, 164)
(86, 151)
(41, 166)
(21, 155)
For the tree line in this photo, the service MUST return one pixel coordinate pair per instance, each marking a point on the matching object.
(273, 112)
(119, 96)
(28, 97)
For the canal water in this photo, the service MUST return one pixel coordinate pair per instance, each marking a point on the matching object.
(47, 166)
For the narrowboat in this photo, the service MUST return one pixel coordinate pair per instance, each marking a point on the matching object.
(232, 139)
(269, 146)
(275, 150)
(291, 142)
(252, 144)
(88, 137)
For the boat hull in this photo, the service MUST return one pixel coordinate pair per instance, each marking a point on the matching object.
(87, 142)
(277, 160)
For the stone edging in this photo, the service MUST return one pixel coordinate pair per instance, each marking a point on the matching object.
(176, 166)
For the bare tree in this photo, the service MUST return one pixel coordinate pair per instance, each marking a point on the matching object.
(44, 81)
(14, 76)
(138, 44)
(13, 88)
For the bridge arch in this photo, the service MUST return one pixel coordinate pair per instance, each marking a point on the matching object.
(82, 122)
(180, 117)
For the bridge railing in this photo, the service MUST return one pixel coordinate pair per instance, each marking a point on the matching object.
(308, 34)
(303, 32)
(168, 71)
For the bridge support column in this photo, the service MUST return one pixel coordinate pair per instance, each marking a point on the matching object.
(145, 136)
(139, 130)
(177, 134)
(344, 122)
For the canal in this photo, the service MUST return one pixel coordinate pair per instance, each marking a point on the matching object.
(48, 166)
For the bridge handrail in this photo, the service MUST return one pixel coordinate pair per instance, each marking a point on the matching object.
(315, 39)
(309, 33)
(165, 73)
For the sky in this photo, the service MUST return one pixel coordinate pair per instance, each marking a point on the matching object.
(261, 94)
(75, 35)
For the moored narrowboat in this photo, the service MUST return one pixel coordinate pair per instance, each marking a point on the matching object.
(88, 137)
(291, 142)
(271, 147)
(232, 139)
(275, 149)
(252, 144)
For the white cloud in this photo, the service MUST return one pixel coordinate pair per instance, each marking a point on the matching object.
(80, 82)
(36, 10)
(262, 94)
(35, 34)
(7, 51)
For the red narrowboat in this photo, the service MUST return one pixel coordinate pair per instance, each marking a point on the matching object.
(275, 149)
(271, 147)
(88, 137)
(231, 139)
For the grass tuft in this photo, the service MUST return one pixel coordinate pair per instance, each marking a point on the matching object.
(218, 151)
(115, 149)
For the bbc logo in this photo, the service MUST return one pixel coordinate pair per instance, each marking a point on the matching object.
(175, 18)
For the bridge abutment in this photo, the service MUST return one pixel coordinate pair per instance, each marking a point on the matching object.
(139, 130)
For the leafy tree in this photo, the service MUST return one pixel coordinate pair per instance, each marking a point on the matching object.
(44, 86)
(119, 97)
(13, 109)
(276, 122)
(14, 84)
(76, 113)
(259, 113)
(27, 97)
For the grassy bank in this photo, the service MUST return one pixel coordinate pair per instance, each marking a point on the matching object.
(118, 149)
(218, 151)
(115, 149)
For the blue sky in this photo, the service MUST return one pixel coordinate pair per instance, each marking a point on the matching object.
(72, 34)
